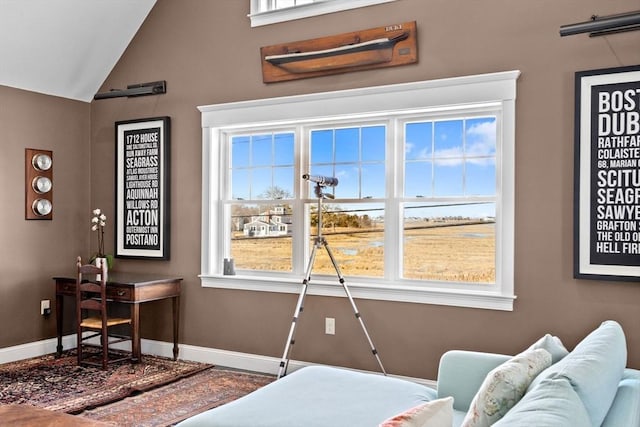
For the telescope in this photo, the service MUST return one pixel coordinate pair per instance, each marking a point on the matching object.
(325, 181)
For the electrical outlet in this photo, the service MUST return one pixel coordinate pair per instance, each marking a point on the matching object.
(45, 307)
(330, 326)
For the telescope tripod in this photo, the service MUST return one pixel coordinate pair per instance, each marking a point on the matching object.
(321, 242)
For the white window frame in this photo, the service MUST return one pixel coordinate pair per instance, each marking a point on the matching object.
(494, 90)
(318, 7)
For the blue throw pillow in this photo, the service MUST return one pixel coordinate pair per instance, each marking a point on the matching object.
(594, 369)
(553, 403)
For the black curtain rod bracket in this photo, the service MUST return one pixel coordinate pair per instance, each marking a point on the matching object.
(140, 89)
(600, 26)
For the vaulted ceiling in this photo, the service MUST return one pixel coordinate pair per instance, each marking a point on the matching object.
(65, 48)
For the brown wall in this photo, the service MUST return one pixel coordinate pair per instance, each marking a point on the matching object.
(33, 251)
(207, 53)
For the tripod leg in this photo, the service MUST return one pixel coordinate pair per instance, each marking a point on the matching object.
(284, 363)
(353, 305)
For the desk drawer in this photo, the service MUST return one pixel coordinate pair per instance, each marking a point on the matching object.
(113, 292)
(66, 288)
(119, 294)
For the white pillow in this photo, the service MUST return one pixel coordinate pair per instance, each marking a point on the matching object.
(437, 413)
(553, 345)
(504, 386)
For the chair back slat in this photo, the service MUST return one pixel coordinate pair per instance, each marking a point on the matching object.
(91, 304)
(91, 287)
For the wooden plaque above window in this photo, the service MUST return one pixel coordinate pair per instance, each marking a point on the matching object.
(380, 47)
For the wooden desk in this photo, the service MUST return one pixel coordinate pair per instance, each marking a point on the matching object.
(128, 288)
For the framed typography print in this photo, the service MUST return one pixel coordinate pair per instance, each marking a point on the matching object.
(142, 188)
(607, 174)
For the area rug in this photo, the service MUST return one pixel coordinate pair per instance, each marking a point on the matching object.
(182, 399)
(59, 384)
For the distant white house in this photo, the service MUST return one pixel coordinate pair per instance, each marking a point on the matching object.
(268, 224)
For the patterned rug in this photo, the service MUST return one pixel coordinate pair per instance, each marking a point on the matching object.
(165, 406)
(61, 385)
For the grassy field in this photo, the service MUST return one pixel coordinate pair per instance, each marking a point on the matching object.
(449, 252)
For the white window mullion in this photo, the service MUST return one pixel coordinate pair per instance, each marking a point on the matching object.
(300, 213)
(395, 172)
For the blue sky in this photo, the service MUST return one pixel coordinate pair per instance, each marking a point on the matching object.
(442, 158)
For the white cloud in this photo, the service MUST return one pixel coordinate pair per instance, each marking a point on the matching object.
(408, 147)
(481, 139)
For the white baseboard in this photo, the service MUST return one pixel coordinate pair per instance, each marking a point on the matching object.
(225, 358)
(35, 349)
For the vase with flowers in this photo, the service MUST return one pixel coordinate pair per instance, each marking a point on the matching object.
(98, 223)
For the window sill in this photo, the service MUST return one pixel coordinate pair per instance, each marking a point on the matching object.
(489, 300)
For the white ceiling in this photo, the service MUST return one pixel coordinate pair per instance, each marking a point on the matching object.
(65, 48)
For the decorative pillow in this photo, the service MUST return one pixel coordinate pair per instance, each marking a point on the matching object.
(437, 413)
(594, 369)
(553, 345)
(504, 386)
(553, 403)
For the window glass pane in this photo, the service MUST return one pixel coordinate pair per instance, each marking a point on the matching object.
(448, 139)
(355, 155)
(481, 137)
(261, 183)
(417, 179)
(261, 237)
(449, 243)
(240, 188)
(354, 234)
(283, 184)
(326, 170)
(480, 167)
(373, 143)
(279, 4)
(240, 152)
(480, 177)
(321, 146)
(447, 178)
(347, 145)
(254, 158)
(261, 150)
(284, 150)
(373, 181)
(348, 182)
(418, 143)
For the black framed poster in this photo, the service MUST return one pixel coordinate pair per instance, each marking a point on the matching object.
(142, 188)
(607, 174)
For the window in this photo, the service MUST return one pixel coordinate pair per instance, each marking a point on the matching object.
(264, 12)
(423, 209)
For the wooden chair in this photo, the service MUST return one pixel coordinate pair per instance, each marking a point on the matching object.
(92, 315)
